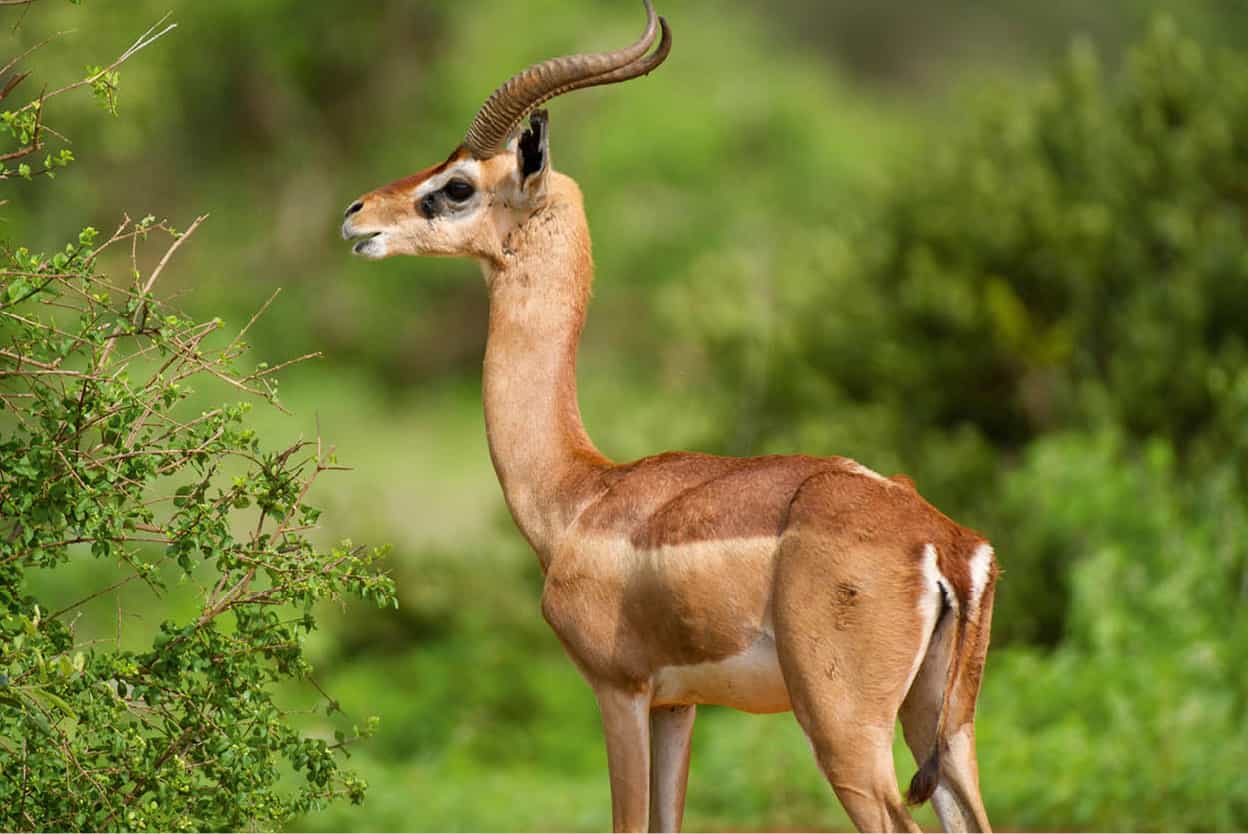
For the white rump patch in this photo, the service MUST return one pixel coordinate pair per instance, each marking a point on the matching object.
(929, 607)
(980, 565)
(933, 574)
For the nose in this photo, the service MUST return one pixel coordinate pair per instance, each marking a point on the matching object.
(354, 207)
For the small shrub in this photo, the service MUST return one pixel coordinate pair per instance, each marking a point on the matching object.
(104, 458)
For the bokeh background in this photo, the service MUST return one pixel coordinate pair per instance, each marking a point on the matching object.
(1000, 247)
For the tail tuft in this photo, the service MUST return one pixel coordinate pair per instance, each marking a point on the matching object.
(923, 785)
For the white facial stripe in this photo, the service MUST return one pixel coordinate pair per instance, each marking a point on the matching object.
(469, 169)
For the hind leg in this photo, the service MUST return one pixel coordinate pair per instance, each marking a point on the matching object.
(849, 636)
(858, 762)
(957, 799)
(919, 714)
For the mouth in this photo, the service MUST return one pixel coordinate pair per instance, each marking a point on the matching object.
(368, 244)
(361, 241)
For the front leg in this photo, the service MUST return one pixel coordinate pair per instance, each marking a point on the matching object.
(625, 721)
(671, 732)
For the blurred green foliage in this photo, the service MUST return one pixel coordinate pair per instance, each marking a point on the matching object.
(1016, 276)
(1042, 320)
(1137, 719)
(1077, 258)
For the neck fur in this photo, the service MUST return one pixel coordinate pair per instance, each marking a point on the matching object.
(538, 294)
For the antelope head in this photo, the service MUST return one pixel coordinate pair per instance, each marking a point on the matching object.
(499, 176)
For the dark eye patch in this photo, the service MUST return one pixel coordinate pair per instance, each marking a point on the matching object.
(458, 190)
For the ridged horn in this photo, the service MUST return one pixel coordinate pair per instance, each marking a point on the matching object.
(538, 84)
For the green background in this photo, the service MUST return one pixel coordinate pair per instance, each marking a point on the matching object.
(995, 247)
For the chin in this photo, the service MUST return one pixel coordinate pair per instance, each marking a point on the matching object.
(374, 248)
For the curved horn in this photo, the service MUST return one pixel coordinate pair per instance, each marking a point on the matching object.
(529, 88)
(641, 66)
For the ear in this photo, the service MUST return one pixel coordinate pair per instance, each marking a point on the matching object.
(533, 159)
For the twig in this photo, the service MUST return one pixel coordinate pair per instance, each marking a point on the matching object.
(145, 40)
(169, 253)
(263, 372)
(255, 316)
(97, 594)
(108, 348)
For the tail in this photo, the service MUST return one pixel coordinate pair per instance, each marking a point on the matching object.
(964, 605)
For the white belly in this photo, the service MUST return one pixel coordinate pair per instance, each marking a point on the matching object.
(750, 681)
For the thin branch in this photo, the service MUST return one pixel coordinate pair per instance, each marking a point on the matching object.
(255, 316)
(145, 40)
(97, 594)
(263, 372)
(35, 142)
(160, 267)
(19, 359)
(108, 348)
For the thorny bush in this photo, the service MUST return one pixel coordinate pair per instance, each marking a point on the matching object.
(103, 458)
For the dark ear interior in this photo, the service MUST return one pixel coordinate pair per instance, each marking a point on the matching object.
(534, 147)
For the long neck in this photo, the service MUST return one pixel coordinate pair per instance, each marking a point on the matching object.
(538, 293)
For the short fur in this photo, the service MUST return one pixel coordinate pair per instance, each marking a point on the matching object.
(672, 573)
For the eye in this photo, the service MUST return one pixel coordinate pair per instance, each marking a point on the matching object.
(458, 190)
